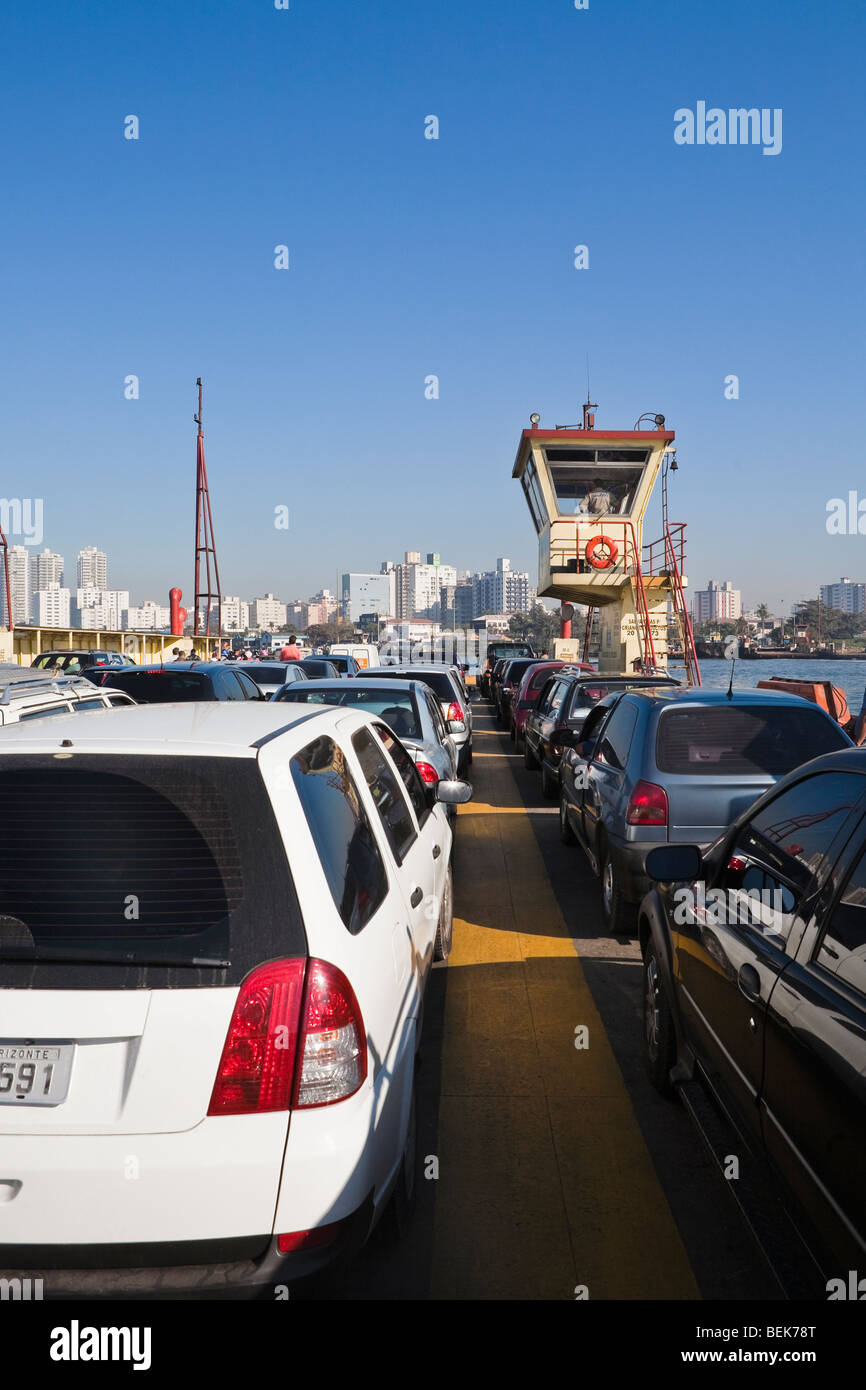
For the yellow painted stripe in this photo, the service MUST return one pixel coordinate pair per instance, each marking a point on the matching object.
(545, 1182)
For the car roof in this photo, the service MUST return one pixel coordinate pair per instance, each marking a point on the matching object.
(189, 728)
(358, 684)
(698, 695)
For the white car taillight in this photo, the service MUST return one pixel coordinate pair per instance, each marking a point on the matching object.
(333, 1044)
(296, 1039)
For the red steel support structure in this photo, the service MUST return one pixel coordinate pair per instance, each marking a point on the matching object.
(7, 589)
(207, 600)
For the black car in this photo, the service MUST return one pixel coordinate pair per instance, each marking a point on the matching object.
(512, 675)
(179, 680)
(556, 722)
(755, 988)
(319, 668)
(500, 650)
(71, 662)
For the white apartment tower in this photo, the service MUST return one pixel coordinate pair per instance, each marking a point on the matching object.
(52, 606)
(92, 568)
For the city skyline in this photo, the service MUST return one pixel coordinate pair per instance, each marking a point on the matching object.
(91, 564)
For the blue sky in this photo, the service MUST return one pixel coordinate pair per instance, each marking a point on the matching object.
(411, 257)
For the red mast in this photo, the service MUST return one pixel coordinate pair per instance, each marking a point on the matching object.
(7, 588)
(206, 599)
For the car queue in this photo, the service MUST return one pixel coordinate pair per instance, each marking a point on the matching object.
(727, 832)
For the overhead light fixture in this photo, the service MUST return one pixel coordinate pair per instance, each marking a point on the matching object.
(534, 421)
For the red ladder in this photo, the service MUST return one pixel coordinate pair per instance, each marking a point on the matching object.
(681, 612)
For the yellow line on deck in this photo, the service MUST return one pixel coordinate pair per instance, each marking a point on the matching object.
(545, 1182)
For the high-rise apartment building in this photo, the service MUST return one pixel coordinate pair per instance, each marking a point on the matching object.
(845, 596)
(92, 568)
(150, 617)
(234, 614)
(367, 593)
(268, 613)
(52, 606)
(717, 603)
(45, 568)
(98, 609)
(19, 586)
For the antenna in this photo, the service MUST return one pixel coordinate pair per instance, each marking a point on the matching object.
(209, 597)
(731, 682)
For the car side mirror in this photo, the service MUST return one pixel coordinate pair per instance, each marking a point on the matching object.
(673, 863)
(452, 792)
(456, 726)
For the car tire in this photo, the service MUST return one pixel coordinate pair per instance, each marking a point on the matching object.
(617, 914)
(660, 1042)
(445, 925)
(530, 762)
(549, 784)
(566, 834)
(398, 1213)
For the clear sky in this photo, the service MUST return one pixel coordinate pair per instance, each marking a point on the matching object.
(410, 257)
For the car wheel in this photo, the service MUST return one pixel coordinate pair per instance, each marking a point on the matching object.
(529, 759)
(619, 915)
(549, 784)
(659, 1034)
(398, 1212)
(566, 834)
(445, 925)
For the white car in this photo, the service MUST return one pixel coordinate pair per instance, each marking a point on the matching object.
(27, 692)
(216, 925)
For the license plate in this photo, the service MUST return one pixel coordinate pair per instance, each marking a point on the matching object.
(34, 1073)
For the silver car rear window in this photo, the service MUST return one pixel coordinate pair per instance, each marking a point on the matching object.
(743, 740)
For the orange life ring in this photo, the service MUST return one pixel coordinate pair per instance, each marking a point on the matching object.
(592, 546)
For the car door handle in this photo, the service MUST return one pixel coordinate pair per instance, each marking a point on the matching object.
(437, 850)
(417, 896)
(749, 982)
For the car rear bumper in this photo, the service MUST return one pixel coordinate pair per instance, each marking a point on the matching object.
(249, 1267)
(630, 865)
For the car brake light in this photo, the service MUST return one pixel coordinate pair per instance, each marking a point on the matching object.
(736, 863)
(427, 773)
(454, 711)
(333, 1047)
(648, 805)
(257, 1065)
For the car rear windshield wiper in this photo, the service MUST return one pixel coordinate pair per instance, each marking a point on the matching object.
(65, 957)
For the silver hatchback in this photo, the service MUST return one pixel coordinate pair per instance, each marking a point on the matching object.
(676, 765)
(409, 708)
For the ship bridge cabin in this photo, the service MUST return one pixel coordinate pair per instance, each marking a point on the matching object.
(587, 492)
